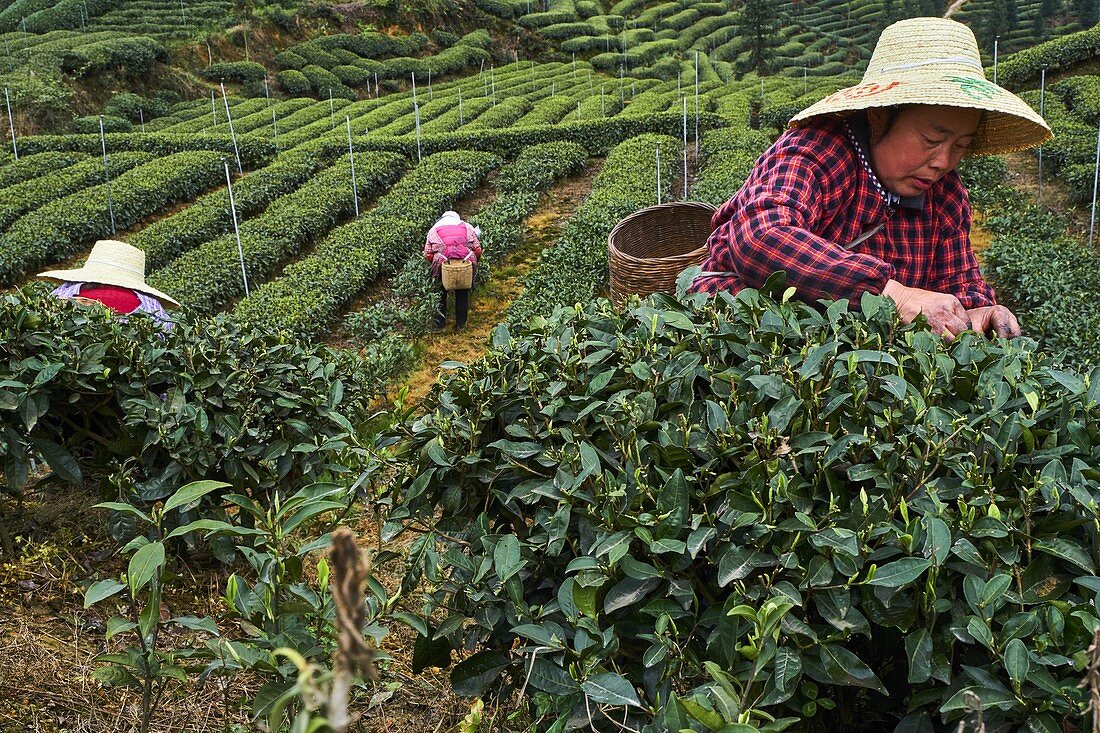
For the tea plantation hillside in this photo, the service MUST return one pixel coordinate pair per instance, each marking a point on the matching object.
(698, 514)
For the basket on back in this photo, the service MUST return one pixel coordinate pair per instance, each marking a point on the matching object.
(458, 275)
(650, 248)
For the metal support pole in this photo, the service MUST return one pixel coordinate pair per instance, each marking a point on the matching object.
(416, 114)
(107, 176)
(275, 128)
(1042, 104)
(1095, 179)
(141, 117)
(351, 157)
(236, 228)
(11, 124)
(232, 132)
(685, 149)
(996, 42)
(658, 174)
(696, 106)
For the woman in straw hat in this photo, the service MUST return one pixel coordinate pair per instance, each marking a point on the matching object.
(114, 275)
(861, 194)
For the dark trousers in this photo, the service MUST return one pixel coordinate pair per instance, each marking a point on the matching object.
(462, 307)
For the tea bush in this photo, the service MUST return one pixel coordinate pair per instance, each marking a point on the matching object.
(1051, 280)
(745, 509)
(147, 411)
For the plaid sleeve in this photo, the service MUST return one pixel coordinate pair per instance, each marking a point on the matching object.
(955, 268)
(793, 185)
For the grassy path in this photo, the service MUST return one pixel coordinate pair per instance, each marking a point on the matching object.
(487, 305)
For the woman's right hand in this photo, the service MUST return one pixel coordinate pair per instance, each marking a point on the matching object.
(944, 313)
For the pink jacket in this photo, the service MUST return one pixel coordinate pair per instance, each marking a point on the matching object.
(446, 241)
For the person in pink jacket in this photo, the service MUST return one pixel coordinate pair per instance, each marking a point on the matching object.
(451, 238)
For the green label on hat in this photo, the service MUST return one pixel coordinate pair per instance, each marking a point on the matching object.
(974, 88)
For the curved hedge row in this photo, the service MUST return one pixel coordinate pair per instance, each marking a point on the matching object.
(63, 227)
(215, 117)
(133, 56)
(206, 278)
(254, 151)
(311, 292)
(39, 164)
(729, 156)
(368, 45)
(575, 269)
(21, 198)
(598, 136)
(209, 216)
(63, 14)
(1060, 53)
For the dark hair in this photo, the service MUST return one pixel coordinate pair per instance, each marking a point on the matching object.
(892, 114)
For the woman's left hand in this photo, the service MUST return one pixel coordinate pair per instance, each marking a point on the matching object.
(994, 318)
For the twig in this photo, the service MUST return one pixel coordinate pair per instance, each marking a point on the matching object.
(622, 725)
(349, 574)
(531, 669)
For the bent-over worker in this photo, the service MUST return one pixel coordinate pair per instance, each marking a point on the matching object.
(451, 238)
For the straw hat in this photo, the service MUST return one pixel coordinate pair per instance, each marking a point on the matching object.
(935, 61)
(112, 263)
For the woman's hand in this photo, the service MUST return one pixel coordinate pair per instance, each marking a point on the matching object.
(995, 318)
(944, 313)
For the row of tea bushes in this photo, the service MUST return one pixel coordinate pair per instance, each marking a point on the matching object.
(575, 269)
(309, 295)
(206, 278)
(23, 197)
(209, 216)
(1049, 279)
(61, 228)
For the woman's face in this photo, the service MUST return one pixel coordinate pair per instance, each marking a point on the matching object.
(924, 144)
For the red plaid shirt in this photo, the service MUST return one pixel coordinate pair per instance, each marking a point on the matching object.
(811, 193)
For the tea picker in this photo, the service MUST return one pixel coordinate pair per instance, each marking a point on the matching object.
(861, 193)
(452, 249)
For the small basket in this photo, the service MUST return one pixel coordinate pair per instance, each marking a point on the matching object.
(458, 275)
(649, 249)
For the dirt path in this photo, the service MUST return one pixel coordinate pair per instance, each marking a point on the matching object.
(488, 304)
(1023, 175)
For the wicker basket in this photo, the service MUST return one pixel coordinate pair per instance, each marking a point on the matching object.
(650, 248)
(458, 275)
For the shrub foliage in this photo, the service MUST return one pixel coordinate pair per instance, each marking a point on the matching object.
(738, 510)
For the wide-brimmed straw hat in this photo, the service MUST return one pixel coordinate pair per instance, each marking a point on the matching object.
(112, 263)
(935, 61)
